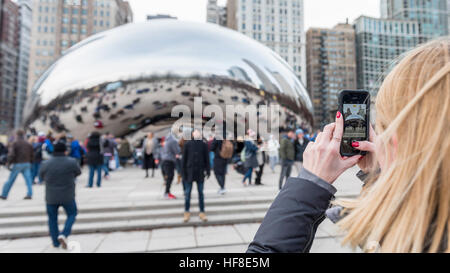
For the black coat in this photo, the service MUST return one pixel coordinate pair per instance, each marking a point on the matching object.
(59, 174)
(94, 155)
(291, 222)
(195, 161)
(220, 164)
(300, 149)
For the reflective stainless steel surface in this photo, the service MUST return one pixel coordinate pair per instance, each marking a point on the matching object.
(130, 77)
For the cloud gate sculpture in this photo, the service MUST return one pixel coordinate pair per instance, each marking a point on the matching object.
(129, 78)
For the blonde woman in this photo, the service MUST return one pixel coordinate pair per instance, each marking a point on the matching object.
(404, 206)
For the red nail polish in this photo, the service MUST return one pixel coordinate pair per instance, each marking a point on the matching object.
(338, 115)
(355, 144)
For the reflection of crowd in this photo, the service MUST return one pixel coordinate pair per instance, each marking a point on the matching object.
(361, 112)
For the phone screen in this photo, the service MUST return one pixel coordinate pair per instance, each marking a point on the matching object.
(355, 110)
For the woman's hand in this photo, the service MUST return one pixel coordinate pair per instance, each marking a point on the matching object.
(367, 162)
(323, 157)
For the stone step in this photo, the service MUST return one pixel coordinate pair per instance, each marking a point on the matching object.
(139, 205)
(132, 225)
(98, 217)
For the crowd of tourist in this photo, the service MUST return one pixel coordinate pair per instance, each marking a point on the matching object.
(57, 159)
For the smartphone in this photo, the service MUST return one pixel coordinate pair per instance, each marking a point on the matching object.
(354, 106)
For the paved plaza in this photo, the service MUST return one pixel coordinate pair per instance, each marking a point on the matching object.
(128, 214)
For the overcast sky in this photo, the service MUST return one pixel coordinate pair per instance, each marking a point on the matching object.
(318, 13)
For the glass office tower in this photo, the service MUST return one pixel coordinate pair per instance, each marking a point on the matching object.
(431, 15)
(379, 42)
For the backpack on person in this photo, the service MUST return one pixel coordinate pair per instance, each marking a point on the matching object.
(37, 150)
(105, 143)
(227, 149)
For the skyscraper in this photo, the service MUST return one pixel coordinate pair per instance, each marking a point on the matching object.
(9, 52)
(379, 42)
(431, 15)
(57, 25)
(25, 11)
(331, 67)
(216, 14)
(278, 24)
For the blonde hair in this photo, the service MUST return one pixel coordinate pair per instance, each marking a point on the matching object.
(407, 208)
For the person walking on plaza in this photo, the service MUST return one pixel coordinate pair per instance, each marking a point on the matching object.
(223, 152)
(210, 151)
(3, 154)
(169, 154)
(124, 151)
(37, 159)
(20, 156)
(195, 165)
(273, 147)
(94, 159)
(149, 147)
(249, 156)
(261, 157)
(59, 174)
(76, 151)
(108, 145)
(287, 156)
(47, 146)
(300, 145)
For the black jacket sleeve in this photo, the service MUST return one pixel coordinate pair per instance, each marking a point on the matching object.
(206, 158)
(184, 159)
(291, 222)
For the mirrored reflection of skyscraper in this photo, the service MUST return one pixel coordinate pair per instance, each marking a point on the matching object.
(57, 25)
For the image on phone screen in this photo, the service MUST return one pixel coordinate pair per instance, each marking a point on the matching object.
(355, 117)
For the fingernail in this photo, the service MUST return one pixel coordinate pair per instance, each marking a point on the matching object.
(355, 144)
(338, 115)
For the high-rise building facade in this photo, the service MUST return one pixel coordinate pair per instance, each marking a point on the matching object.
(26, 13)
(278, 24)
(331, 67)
(432, 15)
(216, 14)
(9, 51)
(378, 43)
(59, 24)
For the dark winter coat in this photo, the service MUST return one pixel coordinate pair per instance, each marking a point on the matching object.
(59, 174)
(250, 154)
(124, 149)
(94, 155)
(287, 149)
(291, 222)
(220, 164)
(20, 152)
(300, 149)
(195, 161)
